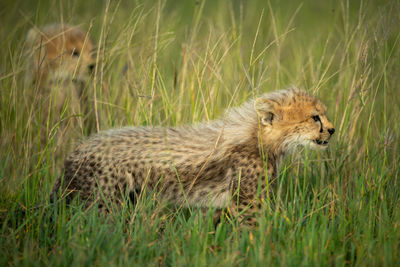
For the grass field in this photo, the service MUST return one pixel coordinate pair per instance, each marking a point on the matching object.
(179, 62)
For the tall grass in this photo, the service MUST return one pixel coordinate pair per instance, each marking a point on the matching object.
(179, 62)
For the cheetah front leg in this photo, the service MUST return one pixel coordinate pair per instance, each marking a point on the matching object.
(246, 201)
(246, 209)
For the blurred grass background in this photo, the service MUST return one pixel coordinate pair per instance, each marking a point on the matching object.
(179, 62)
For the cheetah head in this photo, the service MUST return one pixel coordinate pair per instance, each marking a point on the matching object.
(61, 52)
(292, 118)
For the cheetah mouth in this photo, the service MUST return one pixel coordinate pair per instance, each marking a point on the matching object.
(320, 142)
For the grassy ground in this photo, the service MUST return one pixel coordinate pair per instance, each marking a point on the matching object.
(179, 62)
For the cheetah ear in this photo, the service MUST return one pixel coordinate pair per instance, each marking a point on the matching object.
(266, 110)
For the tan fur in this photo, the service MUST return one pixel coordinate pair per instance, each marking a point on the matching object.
(218, 164)
(61, 61)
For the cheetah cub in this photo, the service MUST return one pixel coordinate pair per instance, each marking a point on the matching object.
(222, 163)
(61, 62)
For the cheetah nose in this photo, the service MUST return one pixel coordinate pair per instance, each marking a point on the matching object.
(331, 131)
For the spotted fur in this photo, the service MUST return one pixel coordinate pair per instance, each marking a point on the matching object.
(221, 163)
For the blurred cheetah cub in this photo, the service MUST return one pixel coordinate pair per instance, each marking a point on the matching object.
(220, 163)
(61, 62)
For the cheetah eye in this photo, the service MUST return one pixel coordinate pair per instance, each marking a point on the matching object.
(316, 118)
(75, 53)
